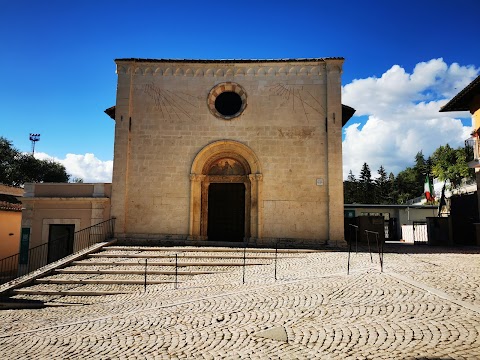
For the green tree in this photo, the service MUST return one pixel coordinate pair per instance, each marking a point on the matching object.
(8, 161)
(392, 189)
(17, 169)
(381, 185)
(350, 189)
(451, 164)
(51, 171)
(407, 185)
(421, 165)
(366, 185)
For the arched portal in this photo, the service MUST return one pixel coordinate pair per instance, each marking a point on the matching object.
(225, 193)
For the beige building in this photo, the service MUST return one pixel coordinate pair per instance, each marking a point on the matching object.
(10, 220)
(227, 150)
(58, 210)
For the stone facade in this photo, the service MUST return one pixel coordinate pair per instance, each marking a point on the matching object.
(284, 138)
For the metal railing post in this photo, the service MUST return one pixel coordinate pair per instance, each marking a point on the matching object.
(356, 239)
(380, 253)
(369, 248)
(355, 227)
(276, 254)
(145, 282)
(244, 261)
(379, 247)
(176, 271)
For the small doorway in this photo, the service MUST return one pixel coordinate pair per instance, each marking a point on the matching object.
(226, 212)
(60, 241)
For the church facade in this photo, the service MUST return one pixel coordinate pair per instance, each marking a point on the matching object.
(229, 150)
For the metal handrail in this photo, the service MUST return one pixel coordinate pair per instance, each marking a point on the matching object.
(245, 243)
(20, 264)
(379, 248)
(350, 244)
(276, 255)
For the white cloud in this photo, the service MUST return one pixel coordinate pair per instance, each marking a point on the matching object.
(403, 115)
(86, 167)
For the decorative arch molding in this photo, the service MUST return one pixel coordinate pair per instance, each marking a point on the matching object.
(225, 71)
(222, 147)
(200, 180)
(226, 87)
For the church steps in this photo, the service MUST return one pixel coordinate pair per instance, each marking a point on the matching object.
(182, 256)
(208, 249)
(121, 270)
(102, 281)
(131, 271)
(68, 292)
(170, 264)
(75, 289)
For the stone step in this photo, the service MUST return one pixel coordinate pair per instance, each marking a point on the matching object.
(156, 263)
(182, 256)
(126, 271)
(28, 291)
(120, 269)
(209, 249)
(102, 281)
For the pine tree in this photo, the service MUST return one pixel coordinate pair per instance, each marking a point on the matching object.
(392, 189)
(350, 190)
(366, 187)
(381, 184)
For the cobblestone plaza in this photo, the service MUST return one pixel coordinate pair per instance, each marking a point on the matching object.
(425, 305)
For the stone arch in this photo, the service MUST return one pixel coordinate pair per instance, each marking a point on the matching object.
(200, 179)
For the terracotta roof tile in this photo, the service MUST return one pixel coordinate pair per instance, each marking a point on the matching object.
(10, 190)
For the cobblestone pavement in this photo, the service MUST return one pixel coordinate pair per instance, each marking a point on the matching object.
(425, 305)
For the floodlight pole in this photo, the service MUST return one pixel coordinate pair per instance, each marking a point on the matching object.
(34, 138)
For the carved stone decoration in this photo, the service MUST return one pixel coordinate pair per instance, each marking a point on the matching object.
(227, 88)
(226, 166)
(223, 71)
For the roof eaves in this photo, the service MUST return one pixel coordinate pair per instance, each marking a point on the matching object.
(347, 113)
(110, 112)
(460, 102)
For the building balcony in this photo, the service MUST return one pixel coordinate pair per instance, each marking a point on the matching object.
(472, 149)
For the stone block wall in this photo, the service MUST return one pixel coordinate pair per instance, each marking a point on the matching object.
(291, 122)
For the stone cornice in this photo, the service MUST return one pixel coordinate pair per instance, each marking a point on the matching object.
(89, 199)
(227, 61)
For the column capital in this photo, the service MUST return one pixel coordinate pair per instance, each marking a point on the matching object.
(197, 177)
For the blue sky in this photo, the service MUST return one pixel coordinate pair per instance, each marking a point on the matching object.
(59, 74)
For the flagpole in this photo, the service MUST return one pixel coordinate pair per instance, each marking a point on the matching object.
(442, 199)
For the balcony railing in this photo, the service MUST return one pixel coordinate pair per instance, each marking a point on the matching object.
(44, 254)
(472, 149)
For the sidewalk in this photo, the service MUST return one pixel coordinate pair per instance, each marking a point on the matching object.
(426, 304)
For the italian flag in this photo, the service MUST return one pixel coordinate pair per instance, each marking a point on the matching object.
(428, 190)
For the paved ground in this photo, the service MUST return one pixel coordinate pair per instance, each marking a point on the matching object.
(425, 305)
